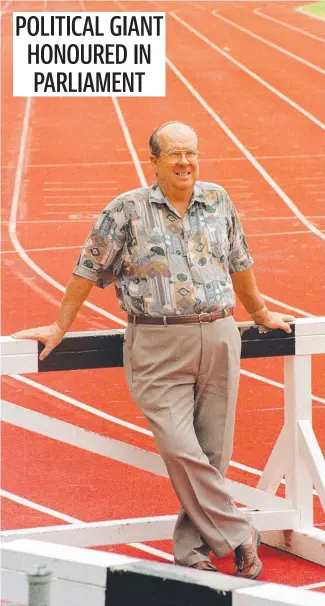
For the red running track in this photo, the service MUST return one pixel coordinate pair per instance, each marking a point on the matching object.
(76, 159)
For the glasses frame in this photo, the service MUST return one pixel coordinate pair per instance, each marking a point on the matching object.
(181, 152)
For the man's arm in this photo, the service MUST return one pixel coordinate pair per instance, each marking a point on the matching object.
(95, 265)
(76, 293)
(245, 287)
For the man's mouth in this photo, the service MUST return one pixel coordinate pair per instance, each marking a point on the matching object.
(183, 173)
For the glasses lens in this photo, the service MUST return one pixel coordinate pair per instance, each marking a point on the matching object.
(191, 155)
(175, 157)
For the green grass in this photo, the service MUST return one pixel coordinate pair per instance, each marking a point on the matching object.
(317, 8)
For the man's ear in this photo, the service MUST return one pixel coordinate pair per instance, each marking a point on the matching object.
(154, 161)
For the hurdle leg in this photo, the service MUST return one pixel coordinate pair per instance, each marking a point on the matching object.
(298, 407)
(275, 466)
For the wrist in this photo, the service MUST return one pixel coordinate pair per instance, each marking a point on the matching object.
(259, 314)
(59, 327)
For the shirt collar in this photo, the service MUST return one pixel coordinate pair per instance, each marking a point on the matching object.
(157, 196)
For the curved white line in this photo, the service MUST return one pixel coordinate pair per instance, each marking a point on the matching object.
(13, 220)
(47, 510)
(271, 44)
(81, 405)
(248, 71)
(247, 153)
(129, 143)
(300, 10)
(256, 11)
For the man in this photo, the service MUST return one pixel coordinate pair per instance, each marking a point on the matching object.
(177, 254)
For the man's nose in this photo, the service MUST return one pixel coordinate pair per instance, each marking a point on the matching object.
(184, 159)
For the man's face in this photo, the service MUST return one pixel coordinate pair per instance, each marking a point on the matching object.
(174, 172)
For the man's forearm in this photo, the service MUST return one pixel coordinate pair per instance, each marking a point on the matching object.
(245, 287)
(77, 291)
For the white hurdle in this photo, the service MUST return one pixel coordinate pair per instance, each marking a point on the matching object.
(285, 523)
(84, 577)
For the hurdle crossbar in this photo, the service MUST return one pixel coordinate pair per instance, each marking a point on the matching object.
(286, 523)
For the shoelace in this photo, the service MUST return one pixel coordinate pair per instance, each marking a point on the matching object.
(242, 553)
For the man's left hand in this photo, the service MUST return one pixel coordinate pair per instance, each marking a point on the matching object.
(274, 319)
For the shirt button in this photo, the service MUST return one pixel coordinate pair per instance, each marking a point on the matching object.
(192, 213)
(178, 252)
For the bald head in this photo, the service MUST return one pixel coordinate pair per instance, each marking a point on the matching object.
(170, 130)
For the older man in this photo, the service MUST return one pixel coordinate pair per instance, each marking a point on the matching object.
(177, 255)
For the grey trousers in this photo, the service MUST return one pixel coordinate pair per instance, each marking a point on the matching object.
(185, 379)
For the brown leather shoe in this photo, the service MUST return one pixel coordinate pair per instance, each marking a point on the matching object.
(205, 565)
(248, 564)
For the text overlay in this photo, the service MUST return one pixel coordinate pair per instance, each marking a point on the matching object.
(89, 54)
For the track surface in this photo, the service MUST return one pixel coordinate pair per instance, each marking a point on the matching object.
(63, 159)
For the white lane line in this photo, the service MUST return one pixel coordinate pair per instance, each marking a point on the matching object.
(253, 375)
(129, 143)
(278, 233)
(70, 197)
(66, 212)
(248, 71)
(266, 176)
(315, 185)
(79, 188)
(13, 219)
(268, 43)
(48, 221)
(299, 10)
(77, 182)
(312, 586)
(41, 508)
(70, 520)
(81, 405)
(284, 218)
(70, 204)
(257, 11)
(7, 252)
(153, 551)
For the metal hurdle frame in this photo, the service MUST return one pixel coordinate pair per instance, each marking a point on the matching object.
(285, 523)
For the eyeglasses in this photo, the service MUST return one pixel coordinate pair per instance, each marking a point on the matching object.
(176, 156)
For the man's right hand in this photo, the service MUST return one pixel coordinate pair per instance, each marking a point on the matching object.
(51, 336)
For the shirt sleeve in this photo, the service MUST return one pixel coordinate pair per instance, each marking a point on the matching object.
(101, 255)
(239, 258)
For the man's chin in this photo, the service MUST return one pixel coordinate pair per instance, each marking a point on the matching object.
(184, 182)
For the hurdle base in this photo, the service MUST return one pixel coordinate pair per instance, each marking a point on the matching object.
(308, 543)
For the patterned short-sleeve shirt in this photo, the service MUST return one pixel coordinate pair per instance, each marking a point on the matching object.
(179, 266)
